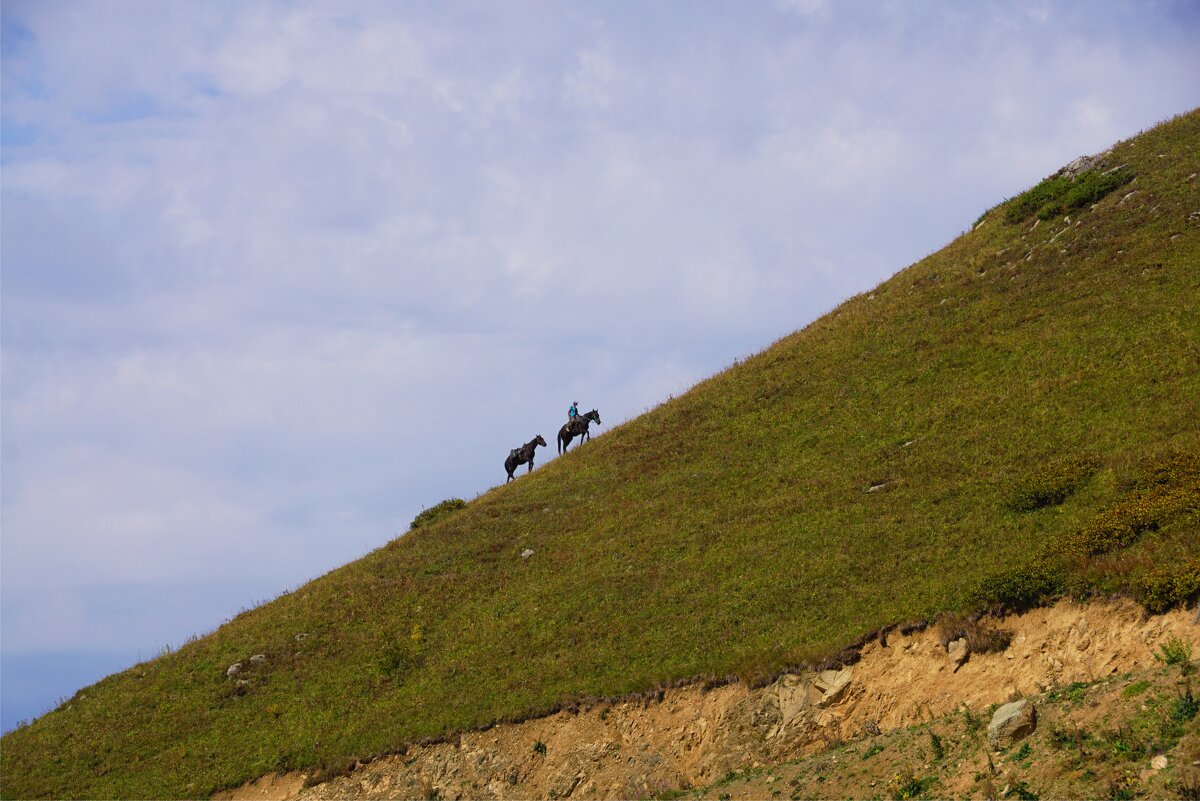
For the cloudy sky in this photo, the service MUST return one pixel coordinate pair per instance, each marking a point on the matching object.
(278, 275)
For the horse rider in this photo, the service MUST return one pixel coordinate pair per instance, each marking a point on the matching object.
(572, 412)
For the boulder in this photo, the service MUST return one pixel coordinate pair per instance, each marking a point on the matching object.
(830, 685)
(1012, 722)
(233, 670)
(1083, 164)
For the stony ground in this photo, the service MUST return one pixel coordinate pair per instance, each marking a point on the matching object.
(907, 720)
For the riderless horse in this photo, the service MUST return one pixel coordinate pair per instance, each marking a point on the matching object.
(576, 428)
(521, 455)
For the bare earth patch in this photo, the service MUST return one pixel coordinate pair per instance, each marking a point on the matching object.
(726, 739)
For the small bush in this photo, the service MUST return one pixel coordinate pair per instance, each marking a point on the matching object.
(1090, 186)
(1175, 651)
(1121, 525)
(1052, 483)
(1058, 194)
(436, 513)
(1044, 195)
(971, 722)
(1173, 469)
(1186, 706)
(1076, 739)
(904, 786)
(1168, 587)
(1020, 588)
(936, 749)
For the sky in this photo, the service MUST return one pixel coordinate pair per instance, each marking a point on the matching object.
(276, 276)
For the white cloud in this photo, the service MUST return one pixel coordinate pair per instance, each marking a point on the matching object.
(803, 7)
(595, 81)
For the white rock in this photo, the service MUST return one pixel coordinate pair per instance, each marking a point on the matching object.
(1159, 762)
(1012, 722)
(958, 652)
(528, 552)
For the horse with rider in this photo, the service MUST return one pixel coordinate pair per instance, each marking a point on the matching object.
(576, 426)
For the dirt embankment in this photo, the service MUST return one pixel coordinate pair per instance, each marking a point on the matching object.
(694, 737)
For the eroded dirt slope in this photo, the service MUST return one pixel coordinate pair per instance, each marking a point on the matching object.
(696, 738)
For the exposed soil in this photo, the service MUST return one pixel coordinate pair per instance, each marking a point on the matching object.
(735, 741)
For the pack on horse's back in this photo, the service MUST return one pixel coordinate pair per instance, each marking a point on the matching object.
(522, 455)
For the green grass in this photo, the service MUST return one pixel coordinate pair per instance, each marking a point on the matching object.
(729, 531)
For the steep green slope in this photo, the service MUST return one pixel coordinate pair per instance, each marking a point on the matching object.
(971, 423)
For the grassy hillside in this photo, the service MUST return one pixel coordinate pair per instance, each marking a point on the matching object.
(1017, 415)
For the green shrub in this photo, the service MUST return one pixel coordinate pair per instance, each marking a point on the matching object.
(1058, 194)
(1121, 525)
(436, 513)
(1090, 186)
(1052, 483)
(1168, 587)
(1030, 202)
(1174, 470)
(936, 749)
(1175, 651)
(1186, 706)
(906, 785)
(1020, 588)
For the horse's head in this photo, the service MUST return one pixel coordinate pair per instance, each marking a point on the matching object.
(593, 415)
(541, 441)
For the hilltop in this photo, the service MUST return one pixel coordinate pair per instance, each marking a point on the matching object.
(1012, 419)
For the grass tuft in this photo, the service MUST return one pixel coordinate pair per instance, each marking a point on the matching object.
(1052, 483)
(438, 512)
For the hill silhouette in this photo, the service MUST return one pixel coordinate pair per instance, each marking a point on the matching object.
(1012, 418)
